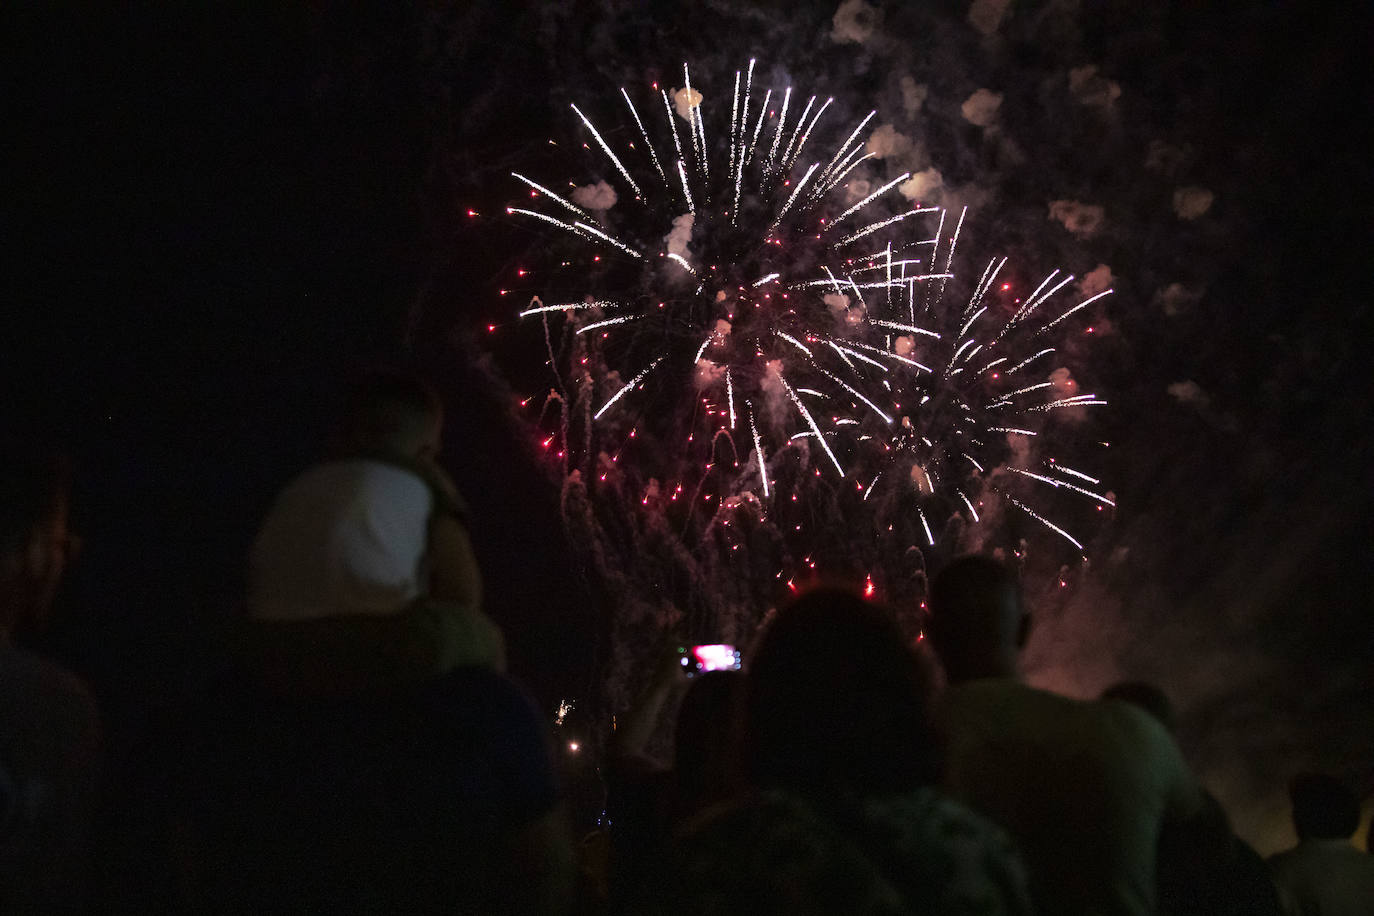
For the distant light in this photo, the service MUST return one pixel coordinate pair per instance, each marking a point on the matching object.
(574, 746)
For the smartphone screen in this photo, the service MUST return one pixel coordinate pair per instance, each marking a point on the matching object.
(715, 657)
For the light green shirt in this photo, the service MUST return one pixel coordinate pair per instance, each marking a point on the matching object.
(1084, 787)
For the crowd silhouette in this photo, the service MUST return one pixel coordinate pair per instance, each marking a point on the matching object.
(365, 751)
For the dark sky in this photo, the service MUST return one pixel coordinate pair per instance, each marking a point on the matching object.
(212, 218)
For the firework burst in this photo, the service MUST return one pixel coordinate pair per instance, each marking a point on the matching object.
(748, 302)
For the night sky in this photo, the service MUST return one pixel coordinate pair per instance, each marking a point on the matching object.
(212, 219)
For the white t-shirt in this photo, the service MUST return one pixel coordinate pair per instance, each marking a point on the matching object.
(344, 538)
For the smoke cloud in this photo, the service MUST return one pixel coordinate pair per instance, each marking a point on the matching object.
(921, 185)
(598, 197)
(981, 107)
(1083, 220)
(888, 142)
(838, 304)
(856, 189)
(986, 15)
(1093, 90)
(854, 22)
(684, 101)
(1096, 280)
(913, 95)
(1175, 299)
(1192, 202)
(681, 236)
(1063, 382)
(1189, 392)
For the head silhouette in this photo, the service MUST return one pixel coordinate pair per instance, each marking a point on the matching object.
(35, 544)
(392, 411)
(977, 625)
(837, 701)
(1324, 807)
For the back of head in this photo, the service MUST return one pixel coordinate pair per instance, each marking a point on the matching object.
(1324, 807)
(836, 700)
(33, 491)
(976, 623)
(392, 411)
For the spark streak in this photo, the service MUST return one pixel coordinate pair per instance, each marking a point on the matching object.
(758, 450)
(633, 382)
(614, 158)
(874, 227)
(1044, 521)
(810, 421)
(868, 200)
(645, 134)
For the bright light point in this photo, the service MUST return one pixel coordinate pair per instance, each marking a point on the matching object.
(574, 746)
(474, 212)
(490, 328)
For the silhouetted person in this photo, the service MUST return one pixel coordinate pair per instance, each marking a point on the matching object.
(842, 817)
(1084, 787)
(646, 798)
(439, 798)
(362, 575)
(49, 728)
(1324, 875)
(1204, 868)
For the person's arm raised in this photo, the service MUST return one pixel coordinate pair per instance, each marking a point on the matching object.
(637, 726)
